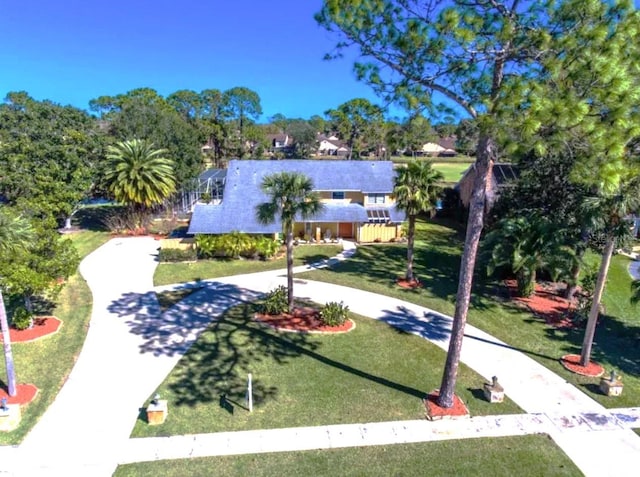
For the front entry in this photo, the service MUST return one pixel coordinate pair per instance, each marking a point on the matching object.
(345, 230)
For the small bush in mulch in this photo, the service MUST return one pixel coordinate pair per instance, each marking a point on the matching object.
(42, 326)
(334, 313)
(22, 319)
(276, 301)
(303, 320)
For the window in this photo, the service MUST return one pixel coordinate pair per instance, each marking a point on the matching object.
(375, 199)
(337, 195)
(378, 216)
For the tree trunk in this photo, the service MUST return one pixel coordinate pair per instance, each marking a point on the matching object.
(290, 267)
(410, 241)
(590, 331)
(526, 282)
(8, 355)
(484, 162)
(572, 286)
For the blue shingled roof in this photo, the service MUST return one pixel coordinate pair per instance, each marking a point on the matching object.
(242, 193)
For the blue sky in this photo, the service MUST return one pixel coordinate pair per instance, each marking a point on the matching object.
(71, 51)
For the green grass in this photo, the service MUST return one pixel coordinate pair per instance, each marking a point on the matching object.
(168, 273)
(437, 264)
(460, 158)
(452, 171)
(373, 373)
(534, 455)
(48, 361)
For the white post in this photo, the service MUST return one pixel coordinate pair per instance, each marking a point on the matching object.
(250, 393)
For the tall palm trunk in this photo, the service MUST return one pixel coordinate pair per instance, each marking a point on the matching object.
(289, 240)
(8, 355)
(410, 241)
(486, 152)
(590, 331)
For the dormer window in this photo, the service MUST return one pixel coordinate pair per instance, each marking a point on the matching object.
(337, 195)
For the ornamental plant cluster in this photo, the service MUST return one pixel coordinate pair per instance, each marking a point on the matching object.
(236, 245)
(334, 313)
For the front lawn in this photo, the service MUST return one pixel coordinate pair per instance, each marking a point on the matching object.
(534, 455)
(373, 373)
(168, 273)
(437, 262)
(48, 361)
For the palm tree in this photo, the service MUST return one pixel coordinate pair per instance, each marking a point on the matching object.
(416, 192)
(290, 195)
(139, 175)
(15, 233)
(527, 245)
(608, 212)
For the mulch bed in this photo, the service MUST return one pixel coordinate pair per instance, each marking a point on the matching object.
(42, 326)
(26, 393)
(546, 303)
(303, 320)
(572, 363)
(408, 284)
(435, 412)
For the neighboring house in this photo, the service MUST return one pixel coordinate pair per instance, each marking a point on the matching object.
(443, 148)
(331, 146)
(357, 196)
(502, 175)
(280, 142)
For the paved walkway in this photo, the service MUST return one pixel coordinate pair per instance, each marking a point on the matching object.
(131, 347)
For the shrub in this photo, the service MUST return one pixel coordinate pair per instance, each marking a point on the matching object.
(205, 197)
(267, 248)
(206, 245)
(235, 244)
(22, 318)
(177, 255)
(334, 313)
(276, 301)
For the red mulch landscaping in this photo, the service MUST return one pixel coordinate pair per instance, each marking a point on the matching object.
(26, 393)
(42, 326)
(435, 412)
(546, 303)
(572, 363)
(408, 284)
(303, 320)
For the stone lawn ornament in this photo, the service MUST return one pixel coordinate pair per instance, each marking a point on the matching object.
(493, 391)
(611, 385)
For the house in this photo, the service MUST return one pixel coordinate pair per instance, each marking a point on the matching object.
(280, 142)
(502, 175)
(443, 148)
(357, 197)
(331, 146)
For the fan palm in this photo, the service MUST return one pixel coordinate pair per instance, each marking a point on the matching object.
(290, 195)
(416, 192)
(138, 174)
(15, 233)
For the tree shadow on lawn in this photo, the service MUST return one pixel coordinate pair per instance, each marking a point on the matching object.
(217, 364)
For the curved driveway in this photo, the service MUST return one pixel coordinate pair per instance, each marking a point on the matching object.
(131, 347)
